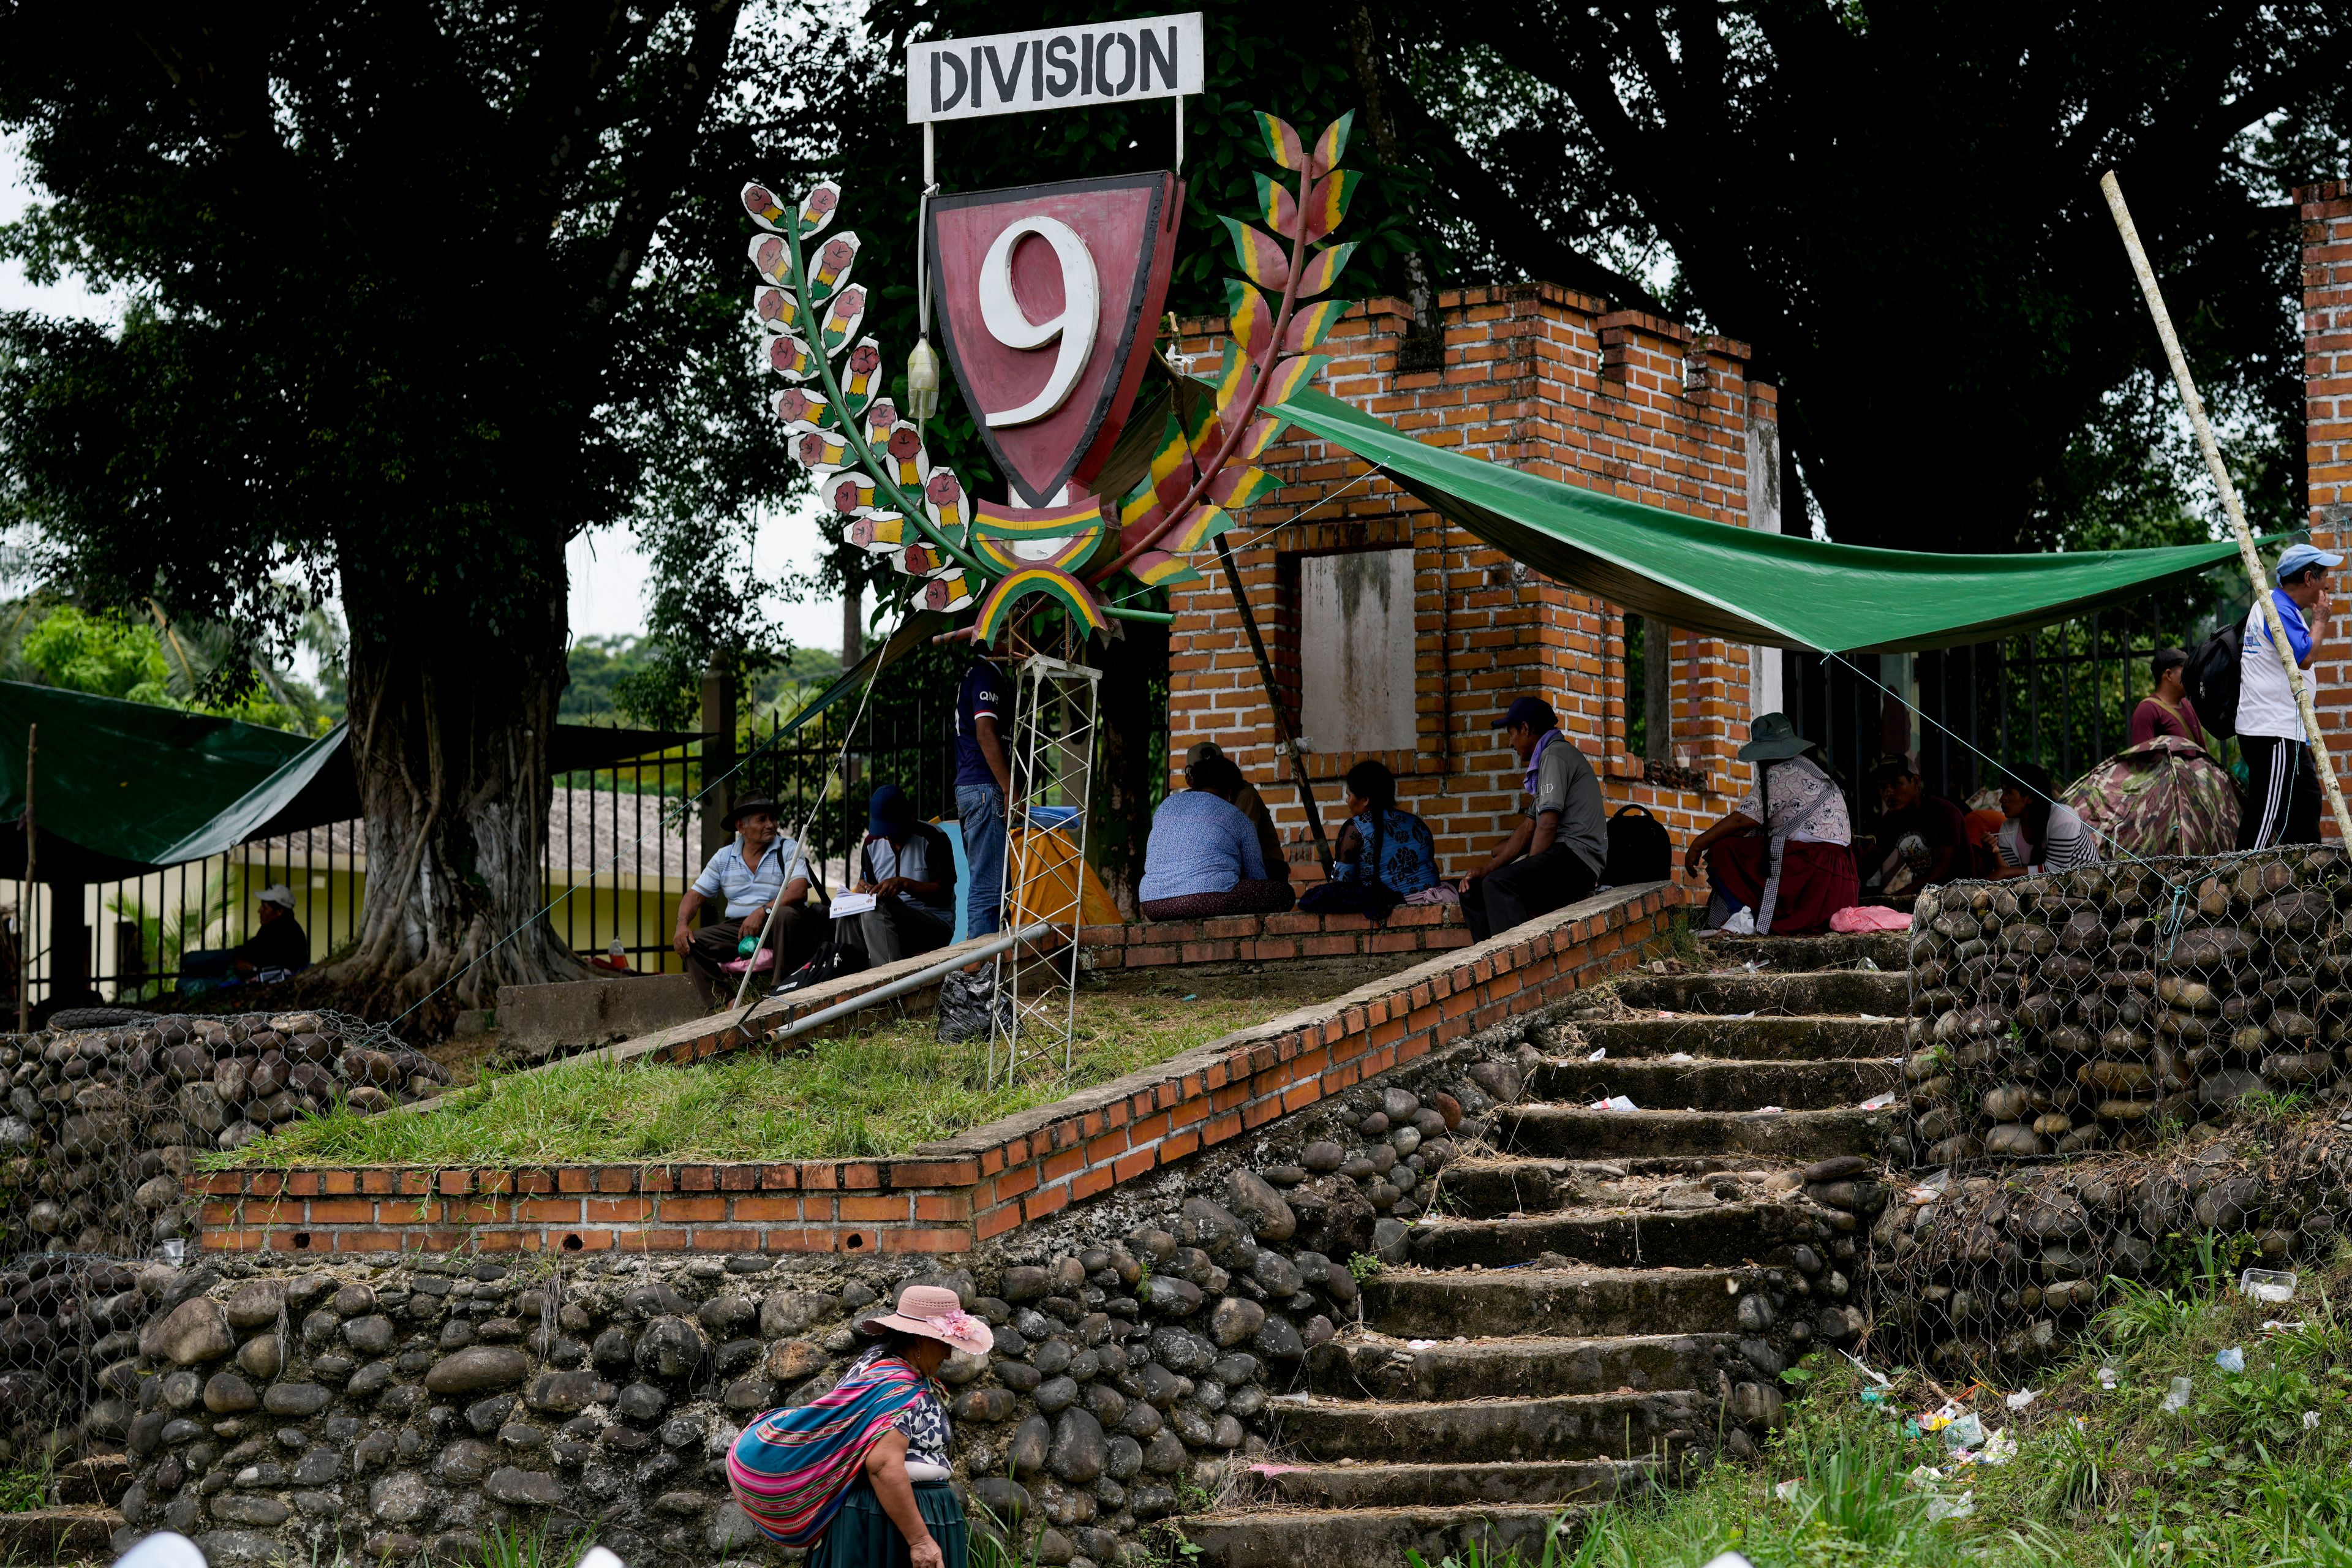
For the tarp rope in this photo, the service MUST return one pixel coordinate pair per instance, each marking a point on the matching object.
(668, 823)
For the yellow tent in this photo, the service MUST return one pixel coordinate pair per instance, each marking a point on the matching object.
(1046, 862)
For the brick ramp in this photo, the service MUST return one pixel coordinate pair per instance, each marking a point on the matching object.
(1582, 1317)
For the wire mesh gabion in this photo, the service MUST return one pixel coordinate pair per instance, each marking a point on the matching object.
(2108, 1069)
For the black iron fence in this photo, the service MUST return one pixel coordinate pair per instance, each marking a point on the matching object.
(624, 844)
(2061, 697)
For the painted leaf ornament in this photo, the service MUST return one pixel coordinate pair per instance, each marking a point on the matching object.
(1256, 438)
(943, 497)
(1197, 527)
(765, 209)
(850, 494)
(1332, 145)
(1327, 203)
(880, 535)
(798, 406)
(788, 356)
(1322, 269)
(1290, 375)
(1282, 144)
(910, 464)
(772, 259)
(1249, 320)
(1276, 208)
(1260, 258)
(1057, 586)
(817, 207)
(865, 377)
(843, 317)
(925, 561)
(881, 418)
(777, 310)
(818, 450)
(1158, 569)
(953, 592)
(1242, 487)
(1235, 376)
(833, 261)
(1313, 323)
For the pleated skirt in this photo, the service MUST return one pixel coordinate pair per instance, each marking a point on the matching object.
(862, 1535)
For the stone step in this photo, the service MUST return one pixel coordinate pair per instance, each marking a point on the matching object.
(1890, 950)
(1767, 1037)
(1496, 1431)
(1553, 1482)
(1582, 1304)
(1378, 1366)
(1790, 1135)
(1835, 991)
(1708, 1085)
(1371, 1538)
(1714, 1234)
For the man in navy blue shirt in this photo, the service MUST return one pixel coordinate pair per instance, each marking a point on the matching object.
(984, 780)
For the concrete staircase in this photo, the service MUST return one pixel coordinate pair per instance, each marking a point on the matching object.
(1570, 1328)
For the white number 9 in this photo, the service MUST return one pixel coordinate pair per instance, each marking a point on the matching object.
(1009, 325)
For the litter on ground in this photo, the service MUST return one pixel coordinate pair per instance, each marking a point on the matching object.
(2267, 1285)
(2178, 1399)
(2022, 1398)
(2231, 1360)
(1599, 1053)
(1614, 1102)
(1878, 1101)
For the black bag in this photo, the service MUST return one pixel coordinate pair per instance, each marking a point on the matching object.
(2211, 679)
(971, 1007)
(1640, 850)
(831, 961)
(1374, 900)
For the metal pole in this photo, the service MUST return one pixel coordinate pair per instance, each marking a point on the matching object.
(1273, 700)
(2221, 471)
(25, 904)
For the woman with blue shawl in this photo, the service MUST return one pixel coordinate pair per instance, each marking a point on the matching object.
(862, 1474)
(1385, 855)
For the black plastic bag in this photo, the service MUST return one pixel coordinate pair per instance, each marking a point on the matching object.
(968, 1004)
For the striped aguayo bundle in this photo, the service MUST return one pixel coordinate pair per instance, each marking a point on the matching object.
(790, 1468)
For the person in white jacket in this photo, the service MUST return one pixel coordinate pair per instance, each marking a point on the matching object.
(2282, 787)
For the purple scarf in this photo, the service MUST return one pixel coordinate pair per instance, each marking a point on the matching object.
(1535, 758)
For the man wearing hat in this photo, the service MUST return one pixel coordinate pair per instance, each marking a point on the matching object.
(1784, 855)
(1252, 804)
(278, 947)
(910, 870)
(1554, 857)
(763, 884)
(2281, 787)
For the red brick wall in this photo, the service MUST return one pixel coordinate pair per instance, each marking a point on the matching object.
(2326, 212)
(951, 1195)
(1546, 381)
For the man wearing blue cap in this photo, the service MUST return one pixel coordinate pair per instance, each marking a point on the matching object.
(910, 870)
(2281, 787)
(1554, 857)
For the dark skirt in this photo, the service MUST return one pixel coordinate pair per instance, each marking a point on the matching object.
(1263, 896)
(1816, 880)
(862, 1535)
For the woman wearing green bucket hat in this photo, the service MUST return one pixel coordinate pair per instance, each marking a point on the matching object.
(1784, 855)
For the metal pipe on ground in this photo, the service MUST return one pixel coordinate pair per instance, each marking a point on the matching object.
(901, 986)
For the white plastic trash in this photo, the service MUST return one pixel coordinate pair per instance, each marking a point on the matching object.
(2109, 1377)
(1730, 1560)
(1597, 1054)
(2023, 1397)
(2311, 1420)
(1998, 1449)
(1968, 1432)
(2231, 1360)
(1878, 1101)
(1614, 1102)
(1741, 924)
(1787, 1490)
(2267, 1284)
(2179, 1398)
(1960, 1507)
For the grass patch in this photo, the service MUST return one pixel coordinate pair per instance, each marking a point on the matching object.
(2243, 1477)
(875, 1093)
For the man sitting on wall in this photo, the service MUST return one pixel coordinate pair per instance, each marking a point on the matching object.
(278, 948)
(763, 885)
(1921, 838)
(910, 870)
(1202, 857)
(1554, 857)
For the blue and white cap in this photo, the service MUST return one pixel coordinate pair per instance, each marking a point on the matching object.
(2295, 557)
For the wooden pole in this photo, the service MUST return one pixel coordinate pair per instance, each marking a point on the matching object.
(2221, 471)
(24, 903)
(1273, 700)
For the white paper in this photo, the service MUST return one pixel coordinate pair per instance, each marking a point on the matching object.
(847, 904)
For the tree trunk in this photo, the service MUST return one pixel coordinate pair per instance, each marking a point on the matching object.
(450, 725)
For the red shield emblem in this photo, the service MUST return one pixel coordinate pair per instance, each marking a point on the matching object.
(1046, 296)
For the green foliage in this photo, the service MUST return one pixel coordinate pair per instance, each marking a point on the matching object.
(103, 655)
(1363, 1266)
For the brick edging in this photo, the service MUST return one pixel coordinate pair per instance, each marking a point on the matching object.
(950, 1195)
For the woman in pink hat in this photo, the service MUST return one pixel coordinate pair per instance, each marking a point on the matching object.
(861, 1474)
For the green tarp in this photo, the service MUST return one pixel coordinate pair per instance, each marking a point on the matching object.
(117, 783)
(1745, 584)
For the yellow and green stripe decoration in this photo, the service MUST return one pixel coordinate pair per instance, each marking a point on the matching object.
(1075, 598)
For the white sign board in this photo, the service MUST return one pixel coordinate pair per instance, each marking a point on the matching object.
(1054, 68)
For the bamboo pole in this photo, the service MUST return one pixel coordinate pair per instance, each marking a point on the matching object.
(1282, 730)
(2246, 551)
(25, 904)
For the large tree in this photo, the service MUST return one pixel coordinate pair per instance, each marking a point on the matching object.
(1897, 204)
(417, 293)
